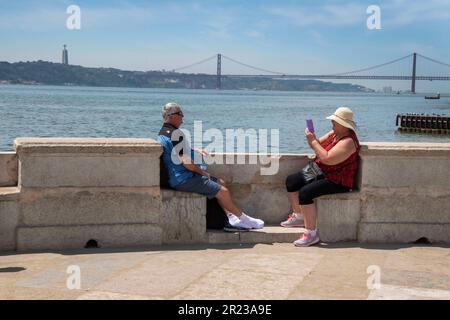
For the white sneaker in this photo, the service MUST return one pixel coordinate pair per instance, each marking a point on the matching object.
(236, 223)
(252, 222)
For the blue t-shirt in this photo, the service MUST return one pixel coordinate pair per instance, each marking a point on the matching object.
(177, 173)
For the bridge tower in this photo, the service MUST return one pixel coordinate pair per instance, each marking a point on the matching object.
(413, 79)
(219, 71)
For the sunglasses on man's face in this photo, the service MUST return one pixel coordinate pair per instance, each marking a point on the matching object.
(180, 113)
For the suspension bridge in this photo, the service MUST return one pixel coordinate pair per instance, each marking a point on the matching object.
(411, 73)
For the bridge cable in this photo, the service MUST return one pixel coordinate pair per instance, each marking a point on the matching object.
(371, 68)
(194, 64)
(253, 67)
(435, 61)
(336, 74)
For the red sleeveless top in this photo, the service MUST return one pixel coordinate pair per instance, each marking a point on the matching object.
(342, 173)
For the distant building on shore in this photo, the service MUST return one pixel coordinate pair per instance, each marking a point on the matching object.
(387, 90)
(65, 56)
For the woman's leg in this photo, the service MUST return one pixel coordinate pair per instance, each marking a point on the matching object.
(294, 183)
(293, 200)
(310, 216)
(311, 191)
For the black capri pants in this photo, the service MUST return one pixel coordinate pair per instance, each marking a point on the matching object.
(308, 192)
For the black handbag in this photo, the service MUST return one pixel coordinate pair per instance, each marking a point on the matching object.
(312, 172)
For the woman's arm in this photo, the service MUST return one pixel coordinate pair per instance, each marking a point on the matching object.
(325, 136)
(340, 152)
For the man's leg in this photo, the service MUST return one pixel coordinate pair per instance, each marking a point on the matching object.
(225, 201)
(236, 216)
(211, 188)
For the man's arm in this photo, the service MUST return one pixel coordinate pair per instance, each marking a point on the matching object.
(201, 151)
(187, 162)
(181, 147)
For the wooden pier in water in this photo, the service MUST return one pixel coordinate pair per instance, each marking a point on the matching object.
(423, 123)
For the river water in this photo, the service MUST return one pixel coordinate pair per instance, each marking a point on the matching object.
(52, 111)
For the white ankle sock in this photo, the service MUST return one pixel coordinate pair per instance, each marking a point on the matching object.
(232, 219)
(246, 217)
(312, 232)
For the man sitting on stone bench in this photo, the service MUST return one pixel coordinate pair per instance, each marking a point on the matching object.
(185, 175)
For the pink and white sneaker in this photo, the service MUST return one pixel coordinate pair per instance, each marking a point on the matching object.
(294, 220)
(307, 240)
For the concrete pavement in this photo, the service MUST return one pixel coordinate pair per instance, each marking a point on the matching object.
(234, 271)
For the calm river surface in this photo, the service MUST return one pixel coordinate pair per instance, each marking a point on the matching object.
(51, 111)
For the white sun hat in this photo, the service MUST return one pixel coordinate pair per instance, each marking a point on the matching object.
(344, 116)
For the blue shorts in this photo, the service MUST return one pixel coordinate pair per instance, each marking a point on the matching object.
(201, 185)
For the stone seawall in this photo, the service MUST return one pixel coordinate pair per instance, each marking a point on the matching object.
(58, 193)
(8, 169)
(405, 192)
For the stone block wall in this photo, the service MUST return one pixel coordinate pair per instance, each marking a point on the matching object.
(73, 190)
(69, 191)
(406, 192)
(58, 193)
(8, 169)
(9, 217)
(182, 217)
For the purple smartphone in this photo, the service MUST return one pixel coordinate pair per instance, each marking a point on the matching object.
(309, 125)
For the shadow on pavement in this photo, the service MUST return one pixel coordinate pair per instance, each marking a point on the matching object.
(206, 246)
(165, 247)
(12, 269)
(380, 246)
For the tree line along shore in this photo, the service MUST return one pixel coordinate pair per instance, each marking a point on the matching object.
(48, 73)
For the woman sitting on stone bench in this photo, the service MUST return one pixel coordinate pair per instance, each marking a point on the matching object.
(336, 153)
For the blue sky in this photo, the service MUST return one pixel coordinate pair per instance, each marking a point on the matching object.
(288, 36)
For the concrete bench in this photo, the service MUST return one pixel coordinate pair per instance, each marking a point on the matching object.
(339, 216)
(8, 217)
(8, 169)
(182, 217)
(183, 220)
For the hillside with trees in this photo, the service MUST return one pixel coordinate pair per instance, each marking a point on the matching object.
(48, 73)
